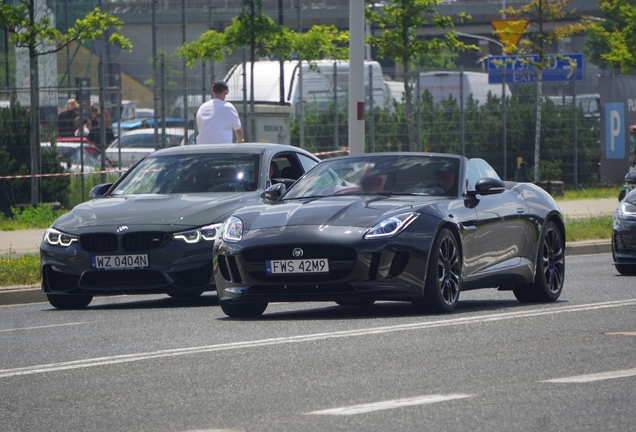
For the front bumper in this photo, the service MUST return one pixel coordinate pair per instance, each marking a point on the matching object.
(379, 269)
(173, 267)
(624, 241)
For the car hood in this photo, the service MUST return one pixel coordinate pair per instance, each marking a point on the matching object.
(148, 212)
(334, 211)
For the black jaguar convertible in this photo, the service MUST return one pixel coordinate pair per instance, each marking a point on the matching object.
(392, 226)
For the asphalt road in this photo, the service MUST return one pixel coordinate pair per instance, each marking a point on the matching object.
(154, 363)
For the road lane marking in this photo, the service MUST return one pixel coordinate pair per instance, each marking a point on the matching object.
(594, 377)
(42, 327)
(390, 404)
(126, 358)
(625, 333)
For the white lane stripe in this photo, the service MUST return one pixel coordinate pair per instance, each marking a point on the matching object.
(594, 377)
(42, 327)
(102, 361)
(390, 404)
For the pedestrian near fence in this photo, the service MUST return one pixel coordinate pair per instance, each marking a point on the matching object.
(216, 119)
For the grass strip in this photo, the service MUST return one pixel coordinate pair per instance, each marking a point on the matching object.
(20, 270)
(596, 228)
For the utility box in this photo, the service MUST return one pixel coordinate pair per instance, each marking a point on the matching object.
(273, 123)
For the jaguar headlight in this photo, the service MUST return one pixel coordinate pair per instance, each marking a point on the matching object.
(58, 238)
(233, 230)
(206, 233)
(391, 226)
(626, 210)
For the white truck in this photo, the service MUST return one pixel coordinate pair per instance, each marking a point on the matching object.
(448, 83)
(317, 86)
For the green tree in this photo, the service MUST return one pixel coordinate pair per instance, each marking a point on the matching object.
(540, 35)
(611, 41)
(253, 29)
(40, 36)
(398, 21)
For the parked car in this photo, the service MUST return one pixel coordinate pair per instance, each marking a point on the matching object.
(137, 143)
(624, 235)
(90, 162)
(136, 123)
(66, 146)
(391, 226)
(152, 230)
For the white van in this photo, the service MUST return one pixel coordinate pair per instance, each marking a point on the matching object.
(589, 103)
(194, 102)
(445, 84)
(318, 83)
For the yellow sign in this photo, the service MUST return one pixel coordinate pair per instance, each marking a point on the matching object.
(510, 30)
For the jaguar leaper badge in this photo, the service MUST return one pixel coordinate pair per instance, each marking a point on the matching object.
(297, 252)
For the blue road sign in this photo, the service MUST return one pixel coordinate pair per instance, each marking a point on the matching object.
(516, 72)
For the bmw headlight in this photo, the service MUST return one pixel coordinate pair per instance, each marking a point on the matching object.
(626, 210)
(206, 233)
(233, 230)
(58, 238)
(391, 226)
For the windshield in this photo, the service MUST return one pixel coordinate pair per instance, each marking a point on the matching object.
(192, 174)
(380, 175)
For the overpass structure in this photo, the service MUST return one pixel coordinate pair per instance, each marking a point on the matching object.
(179, 21)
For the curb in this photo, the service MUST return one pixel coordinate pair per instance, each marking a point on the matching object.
(17, 296)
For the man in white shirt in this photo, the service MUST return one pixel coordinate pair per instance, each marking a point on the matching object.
(216, 119)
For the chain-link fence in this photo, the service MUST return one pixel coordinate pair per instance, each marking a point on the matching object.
(449, 112)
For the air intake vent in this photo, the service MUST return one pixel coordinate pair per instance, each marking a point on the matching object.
(143, 241)
(99, 242)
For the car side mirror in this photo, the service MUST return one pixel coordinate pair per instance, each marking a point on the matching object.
(488, 186)
(274, 192)
(99, 190)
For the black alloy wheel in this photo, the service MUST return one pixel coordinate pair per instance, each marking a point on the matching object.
(243, 310)
(356, 303)
(444, 276)
(69, 301)
(626, 269)
(550, 273)
(185, 294)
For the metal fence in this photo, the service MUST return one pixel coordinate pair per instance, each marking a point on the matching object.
(481, 126)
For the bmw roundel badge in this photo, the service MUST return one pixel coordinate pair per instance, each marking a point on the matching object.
(122, 228)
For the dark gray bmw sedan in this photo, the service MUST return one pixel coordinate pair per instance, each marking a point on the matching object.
(153, 230)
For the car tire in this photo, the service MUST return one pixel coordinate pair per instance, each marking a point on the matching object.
(69, 301)
(356, 303)
(621, 195)
(550, 273)
(626, 269)
(443, 277)
(243, 310)
(185, 294)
